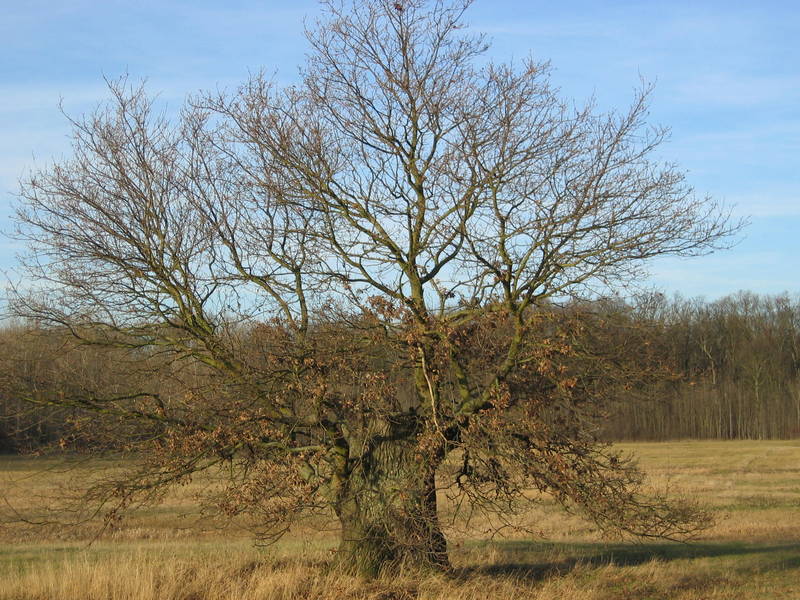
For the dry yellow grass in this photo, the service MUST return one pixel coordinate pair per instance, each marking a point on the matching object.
(752, 553)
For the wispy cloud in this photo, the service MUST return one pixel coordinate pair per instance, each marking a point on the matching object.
(726, 272)
(733, 89)
(726, 71)
(34, 97)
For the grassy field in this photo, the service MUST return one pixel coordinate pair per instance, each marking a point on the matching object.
(753, 552)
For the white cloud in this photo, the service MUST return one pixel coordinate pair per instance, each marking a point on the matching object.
(24, 98)
(735, 89)
(767, 203)
(726, 272)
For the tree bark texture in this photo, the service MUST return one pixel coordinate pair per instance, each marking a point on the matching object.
(387, 505)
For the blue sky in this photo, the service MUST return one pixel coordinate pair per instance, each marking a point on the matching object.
(727, 82)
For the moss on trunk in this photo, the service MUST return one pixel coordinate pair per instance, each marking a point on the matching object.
(387, 506)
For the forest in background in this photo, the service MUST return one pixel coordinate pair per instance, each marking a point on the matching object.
(731, 371)
(737, 361)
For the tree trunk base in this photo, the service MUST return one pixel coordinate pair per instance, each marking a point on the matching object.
(388, 507)
(374, 553)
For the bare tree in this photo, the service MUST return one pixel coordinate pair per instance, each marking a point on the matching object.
(349, 281)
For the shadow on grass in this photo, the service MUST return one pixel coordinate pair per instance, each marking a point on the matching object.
(524, 557)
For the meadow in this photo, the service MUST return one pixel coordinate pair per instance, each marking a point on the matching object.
(752, 552)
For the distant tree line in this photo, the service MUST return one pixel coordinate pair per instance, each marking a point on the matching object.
(728, 369)
(39, 366)
(738, 366)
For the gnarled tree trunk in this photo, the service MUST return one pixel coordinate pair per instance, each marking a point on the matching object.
(387, 505)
